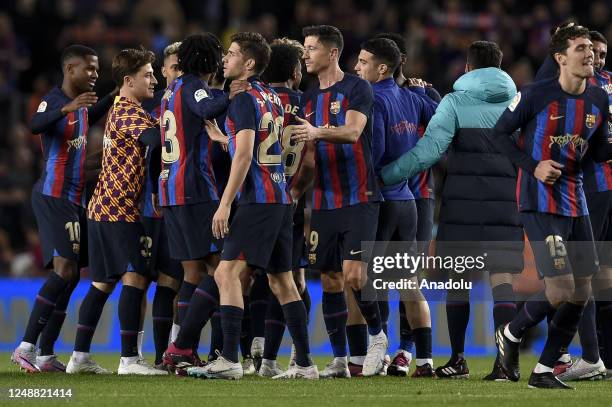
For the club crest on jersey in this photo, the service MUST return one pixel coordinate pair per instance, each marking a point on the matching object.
(590, 120)
(42, 107)
(334, 107)
(200, 94)
(515, 102)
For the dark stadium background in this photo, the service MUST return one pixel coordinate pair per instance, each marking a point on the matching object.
(33, 33)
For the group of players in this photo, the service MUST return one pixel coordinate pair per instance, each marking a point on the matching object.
(203, 191)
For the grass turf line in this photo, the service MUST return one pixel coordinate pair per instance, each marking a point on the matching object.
(89, 390)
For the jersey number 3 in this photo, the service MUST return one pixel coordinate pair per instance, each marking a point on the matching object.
(171, 150)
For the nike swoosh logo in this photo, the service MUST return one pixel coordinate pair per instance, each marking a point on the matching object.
(355, 252)
(555, 117)
(309, 114)
(71, 123)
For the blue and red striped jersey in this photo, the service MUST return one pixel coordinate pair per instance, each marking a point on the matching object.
(555, 126)
(187, 175)
(292, 151)
(63, 145)
(344, 174)
(598, 176)
(261, 110)
(153, 107)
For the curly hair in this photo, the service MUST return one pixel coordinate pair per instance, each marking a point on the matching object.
(200, 54)
(286, 55)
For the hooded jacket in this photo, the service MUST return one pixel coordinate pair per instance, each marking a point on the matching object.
(478, 196)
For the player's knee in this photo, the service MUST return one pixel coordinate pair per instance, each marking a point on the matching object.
(332, 282)
(165, 280)
(354, 281)
(135, 280)
(559, 294)
(104, 287)
(66, 269)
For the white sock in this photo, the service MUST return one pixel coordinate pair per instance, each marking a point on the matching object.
(540, 368)
(341, 359)
(509, 335)
(358, 360)
(44, 358)
(27, 346)
(80, 356)
(128, 360)
(139, 342)
(174, 332)
(421, 362)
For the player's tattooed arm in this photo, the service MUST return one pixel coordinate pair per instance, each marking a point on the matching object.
(347, 134)
(241, 162)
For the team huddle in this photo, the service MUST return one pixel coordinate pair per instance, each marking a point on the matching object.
(226, 184)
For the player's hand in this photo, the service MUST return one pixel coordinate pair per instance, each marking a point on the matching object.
(215, 134)
(85, 99)
(238, 86)
(416, 82)
(548, 171)
(155, 205)
(304, 131)
(220, 222)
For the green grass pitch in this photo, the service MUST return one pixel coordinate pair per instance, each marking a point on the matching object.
(252, 391)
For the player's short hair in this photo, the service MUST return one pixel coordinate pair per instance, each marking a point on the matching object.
(172, 49)
(559, 42)
(200, 54)
(254, 45)
(327, 34)
(286, 55)
(76, 50)
(397, 39)
(384, 50)
(484, 54)
(129, 61)
(597, 36)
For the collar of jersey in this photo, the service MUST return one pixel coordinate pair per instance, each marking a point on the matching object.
(385, 83)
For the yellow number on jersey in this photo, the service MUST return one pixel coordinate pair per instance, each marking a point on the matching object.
(273, 127)
(292, 152)
(171, 151)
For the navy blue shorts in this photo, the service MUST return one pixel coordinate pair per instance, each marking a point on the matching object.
(157, 250)
(189, 229)
(336, 235)
(561, 244)
(425, 221)
(299, 242)
(62, 228)
(261, 234)
(600, 213)
(116, 248)
(397, 221)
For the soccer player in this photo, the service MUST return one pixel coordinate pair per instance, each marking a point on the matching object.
(167, 272)
(422, 187)
(597, 185)
(188, 191)
(559, 119)
(260, 232)
(337, 117)
(283, 75)
(465, 190)
(113, 216)
(58, 198)
(396, 115)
